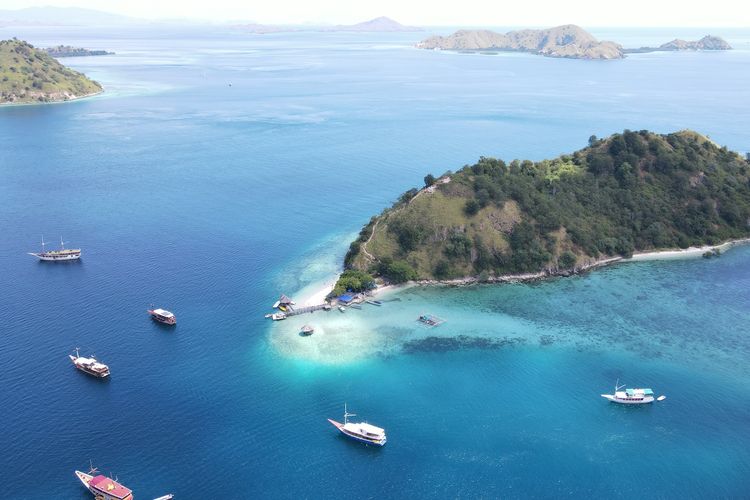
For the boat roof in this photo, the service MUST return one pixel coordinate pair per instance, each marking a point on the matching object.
(163, 312)
(364, 427)
(632, 392)
(110, 486)
(285, 300)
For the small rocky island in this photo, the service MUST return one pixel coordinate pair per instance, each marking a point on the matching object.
(562, 41)
(708, 42)
(68, 51)
(493, 221)
(30, 75)
(569, 41)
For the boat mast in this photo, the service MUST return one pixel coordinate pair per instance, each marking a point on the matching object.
(618, 386)
(347, 415)
(62, 244)
(43, 243)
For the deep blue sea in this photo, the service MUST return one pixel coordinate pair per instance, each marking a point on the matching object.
(211, 199)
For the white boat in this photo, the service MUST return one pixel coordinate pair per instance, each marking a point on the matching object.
(362, 432)
(89, 365)
(342, 309)
(630, 396)
(162, 316)
(58, 255)
(165, 497)
(278, 316)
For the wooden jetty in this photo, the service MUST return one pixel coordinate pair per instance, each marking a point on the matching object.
(308, 309)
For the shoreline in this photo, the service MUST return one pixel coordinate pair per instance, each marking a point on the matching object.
(670, 254)
(319, 293)
(689, 252)
(37, 103)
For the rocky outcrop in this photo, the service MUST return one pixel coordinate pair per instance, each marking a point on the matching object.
(708, 42)
(562, 41)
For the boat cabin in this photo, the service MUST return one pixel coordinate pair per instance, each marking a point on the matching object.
(110, 488)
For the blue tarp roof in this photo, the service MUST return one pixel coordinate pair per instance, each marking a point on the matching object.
(347, 297)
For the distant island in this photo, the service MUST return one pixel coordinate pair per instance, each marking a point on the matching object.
(562, 41)
(630, 192)
(31, 75)
(68, 51)
(708, 42)
(378, 25)
(569, 41)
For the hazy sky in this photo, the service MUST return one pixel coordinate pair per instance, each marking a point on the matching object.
(431, 12)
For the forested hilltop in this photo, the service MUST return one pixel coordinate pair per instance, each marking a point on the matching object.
(633, 191)
(28, 74)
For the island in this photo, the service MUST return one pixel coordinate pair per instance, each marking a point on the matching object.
(497, 221)
(68, 51)
(569, 41)
(708, 42)
(380, 24)
(30, 75)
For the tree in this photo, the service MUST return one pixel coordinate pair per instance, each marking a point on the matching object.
(443, 270)
(567, 260)
(353, 280)
(398, 271)
(471, 207)
(429, 180)
(592, 140)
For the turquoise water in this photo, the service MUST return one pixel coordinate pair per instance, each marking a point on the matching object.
(210, 200)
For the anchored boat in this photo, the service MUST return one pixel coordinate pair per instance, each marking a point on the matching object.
(631, 396)
(163, 316)
(361, 431)
(89, 365)
(58, 255)
(103, 487)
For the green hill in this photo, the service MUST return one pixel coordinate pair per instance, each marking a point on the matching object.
(28, 74)
(630, 192)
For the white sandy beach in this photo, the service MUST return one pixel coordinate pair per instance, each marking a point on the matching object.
(685, 253)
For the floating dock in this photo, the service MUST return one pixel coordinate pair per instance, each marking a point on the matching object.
(430, 320)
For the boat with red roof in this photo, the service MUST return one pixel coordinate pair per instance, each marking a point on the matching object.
(163, 316)
(103, 487)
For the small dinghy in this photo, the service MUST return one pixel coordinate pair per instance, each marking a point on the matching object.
(307, 330)
(661, 398)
